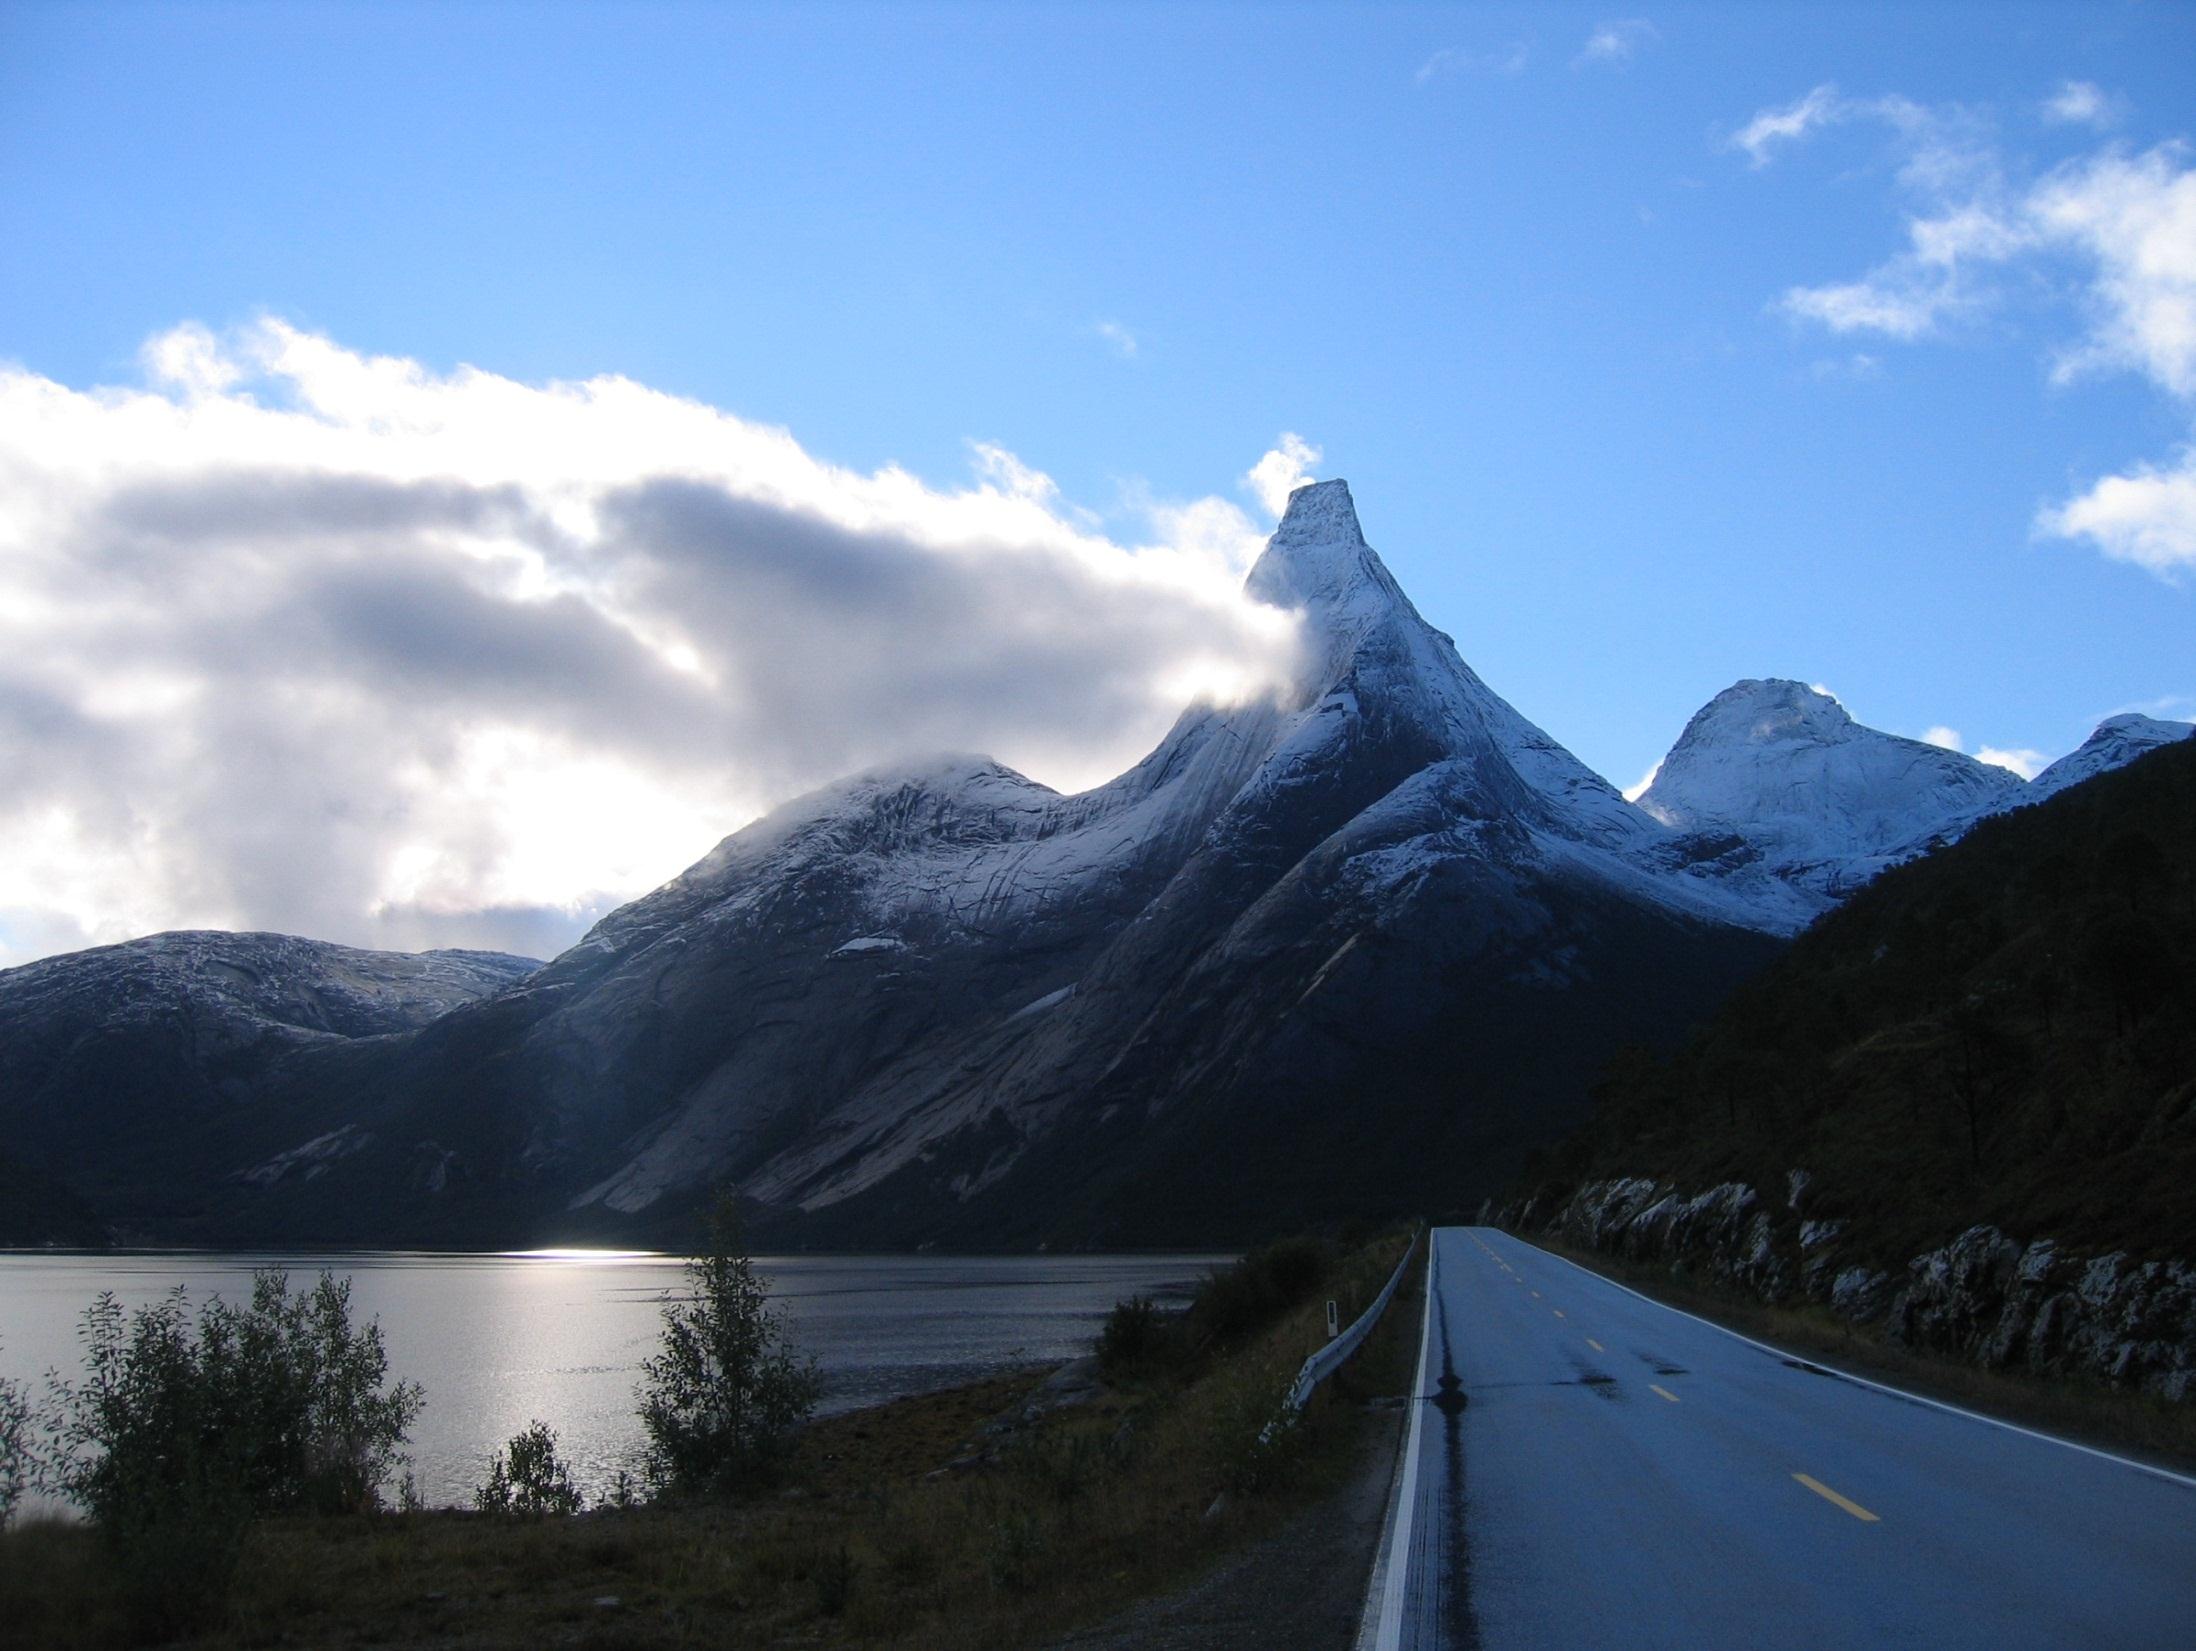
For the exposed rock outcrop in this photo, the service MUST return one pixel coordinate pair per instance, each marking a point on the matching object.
(1984, 1296)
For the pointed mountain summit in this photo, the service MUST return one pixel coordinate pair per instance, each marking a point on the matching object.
(1825, 800)
(1317, 551)
(1345, 949)
(1349, 947)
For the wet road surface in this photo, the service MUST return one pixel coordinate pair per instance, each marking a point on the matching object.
(1588, 1469)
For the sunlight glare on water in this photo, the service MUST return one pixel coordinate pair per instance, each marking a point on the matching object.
(502, 1340)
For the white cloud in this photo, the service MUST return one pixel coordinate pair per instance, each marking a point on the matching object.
(2134, 219)
(1894, 306)
(1284, 469)
(190, 359)
(2147, 517)
(1908, 296)
(2129, 222)
(1124, 342)
(2023, 761)
(1939, 149)
(1769, 128)
(1617, 41)
(1639, 787)
(298, 638)
(2125, 224)
(1859, 365)
(1503, 60)
(2080, 103)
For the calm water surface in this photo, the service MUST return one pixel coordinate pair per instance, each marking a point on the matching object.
(500, 1340)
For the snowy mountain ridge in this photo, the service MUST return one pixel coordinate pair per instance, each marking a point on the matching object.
(916, 862)
(1826, 800)
(2114, 743)
(1364, 939)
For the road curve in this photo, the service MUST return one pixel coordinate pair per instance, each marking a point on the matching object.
(1587, 1470)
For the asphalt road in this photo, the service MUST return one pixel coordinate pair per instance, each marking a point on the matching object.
(1587, 1470)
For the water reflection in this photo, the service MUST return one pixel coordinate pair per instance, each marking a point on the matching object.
(501, 1340)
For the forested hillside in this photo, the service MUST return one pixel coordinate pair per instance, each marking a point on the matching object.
(2002, 1032)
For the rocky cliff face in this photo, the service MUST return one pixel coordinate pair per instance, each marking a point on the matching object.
(1984, 1296)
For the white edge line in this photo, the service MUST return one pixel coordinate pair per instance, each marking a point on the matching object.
(1881, 1387)
(1395, 1560)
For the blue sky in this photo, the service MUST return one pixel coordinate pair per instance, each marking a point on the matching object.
(1511, 271)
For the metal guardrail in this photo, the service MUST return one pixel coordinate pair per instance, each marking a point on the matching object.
(1330, 1358)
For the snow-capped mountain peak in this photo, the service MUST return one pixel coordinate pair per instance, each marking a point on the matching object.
(1318, 555)
(2114, 742)
(1826, 798)
(1765, 711)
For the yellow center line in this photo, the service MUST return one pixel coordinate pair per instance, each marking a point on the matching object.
(1673, 1398)
(1595, 1345)
(1828, 1495)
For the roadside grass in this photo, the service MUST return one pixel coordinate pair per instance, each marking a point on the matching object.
(2110, 1418)
(874, 1540)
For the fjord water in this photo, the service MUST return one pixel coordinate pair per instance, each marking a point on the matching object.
(501, 1340)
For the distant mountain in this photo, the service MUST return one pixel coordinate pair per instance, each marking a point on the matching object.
(1351, 949)
(1826, 802)
(2116, 742)
(123, 1066)
(1779, 775)
(1348, 949)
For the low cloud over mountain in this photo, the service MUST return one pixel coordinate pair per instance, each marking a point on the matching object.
(293, 637)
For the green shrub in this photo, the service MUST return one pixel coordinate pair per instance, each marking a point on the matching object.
(1235, 1303)
(18, 1449)
(280, 1403)
(181, 1432)
(723, 1399)
(910, 1560)
(1260, 1440)
(1134, 1337)
(528, 1479)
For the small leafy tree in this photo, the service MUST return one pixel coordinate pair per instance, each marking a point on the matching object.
(527, 1478)
(724, 1397)
(181, 1431)
(1134, 1336)
(18, 1449)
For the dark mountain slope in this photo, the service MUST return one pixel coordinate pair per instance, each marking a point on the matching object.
(37, 1210)
(1351, 949)
(2003, 1032)
(137, 1071)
